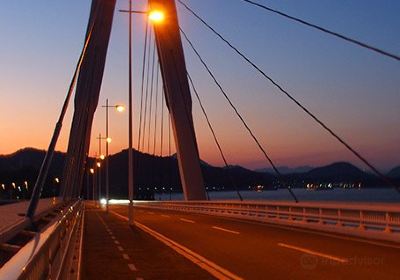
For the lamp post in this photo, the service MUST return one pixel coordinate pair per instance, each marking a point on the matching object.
(119, 108)
(156, 17)
(101, 157)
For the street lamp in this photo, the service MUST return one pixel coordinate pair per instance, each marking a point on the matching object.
(57, 181)
(91, 170)
(156, 16)
(120, 108)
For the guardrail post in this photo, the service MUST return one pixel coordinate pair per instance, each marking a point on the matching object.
(387, 220)
(339, 218)
(361, 225)
(320, 219)
(277, 213)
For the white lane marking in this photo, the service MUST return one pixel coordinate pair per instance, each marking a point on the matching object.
(186, 220)
(315, 253)
(120, 248)
(226, 230)
(113, 237)
(132, 267)
(166, 216)
(116, 242)
(313, 232)
(212, 268)
(125, 256)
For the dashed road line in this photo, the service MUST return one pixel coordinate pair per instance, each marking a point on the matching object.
(212, 268)
(226, 230)
(132, 267)
(314, 253)
(166, 216)
(186, 220)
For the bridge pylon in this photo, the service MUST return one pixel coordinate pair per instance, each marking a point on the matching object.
(177, 95)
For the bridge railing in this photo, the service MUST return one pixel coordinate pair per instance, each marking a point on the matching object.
(48, 254)
(377, 221)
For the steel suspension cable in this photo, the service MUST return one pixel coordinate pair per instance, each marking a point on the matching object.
(151, 94)
(44, 169)
(325, 30)
(214, 135)
(237, 112)
(147, 91)
(156, 109)
(317, 27)
(301, 106)
(169, 134)
(162, 118)
(142, 85)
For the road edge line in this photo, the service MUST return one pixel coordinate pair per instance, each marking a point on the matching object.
(314, 253)
(212, 268)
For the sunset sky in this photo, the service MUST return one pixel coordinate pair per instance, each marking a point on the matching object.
(356, 92)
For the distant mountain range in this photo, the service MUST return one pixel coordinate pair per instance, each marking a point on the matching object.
(286, 169)
(394, 173)
(152, 171)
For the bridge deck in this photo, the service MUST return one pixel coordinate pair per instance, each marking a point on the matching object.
(225, 247)
(113, 250)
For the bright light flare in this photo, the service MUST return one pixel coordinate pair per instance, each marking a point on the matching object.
(156, 16)
(120, 108)
(103, 201)
(102, 157)
(57, 180)
(91, 170)
(108, 140)
(98, 164)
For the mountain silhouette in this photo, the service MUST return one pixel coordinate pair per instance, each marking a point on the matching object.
(394, 173)
(151, 172)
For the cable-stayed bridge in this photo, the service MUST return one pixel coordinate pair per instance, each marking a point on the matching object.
(73, 235)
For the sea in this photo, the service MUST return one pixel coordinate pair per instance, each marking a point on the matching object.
(388, 195)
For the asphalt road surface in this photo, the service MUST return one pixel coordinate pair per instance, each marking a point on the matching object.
(207, 247)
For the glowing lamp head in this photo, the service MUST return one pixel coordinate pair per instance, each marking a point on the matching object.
(120, 108)
(102, 157)
(156, 16)
(108, 140)
(98, 164)
(91, 170)
(57, 180)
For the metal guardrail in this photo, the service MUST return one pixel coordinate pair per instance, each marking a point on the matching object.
(377, 221)
(46, 255)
